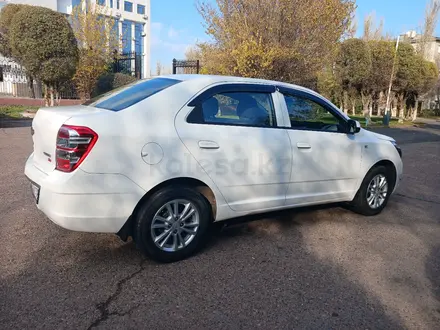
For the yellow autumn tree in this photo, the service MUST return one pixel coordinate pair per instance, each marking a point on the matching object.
(98, 42)
(287, 40)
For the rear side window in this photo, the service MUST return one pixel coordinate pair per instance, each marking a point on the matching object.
(127, 96)
(235, 108)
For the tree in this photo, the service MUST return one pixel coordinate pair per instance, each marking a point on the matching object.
(430, 79)
(382, 59)
(193, 53)
(329, 86)
(362, 73)
(158, 68)
(43, 42)
(353, 67)
(352, 30)
(371, 31)
(407, 76)
(423, 47)
(287, 40)
(431, 19)
(98, 41)
(435, 92)
(425, 78)
(6, 18)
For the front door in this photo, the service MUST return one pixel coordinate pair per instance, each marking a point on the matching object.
(326, 160)
(234, 137)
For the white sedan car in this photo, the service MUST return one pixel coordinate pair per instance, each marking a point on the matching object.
(161, 159)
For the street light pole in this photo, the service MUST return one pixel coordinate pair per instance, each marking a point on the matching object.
(387, 108)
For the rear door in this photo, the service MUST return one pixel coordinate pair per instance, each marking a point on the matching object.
(232, 131)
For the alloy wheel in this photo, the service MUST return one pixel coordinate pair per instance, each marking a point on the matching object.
(175, 225)
(377, 191)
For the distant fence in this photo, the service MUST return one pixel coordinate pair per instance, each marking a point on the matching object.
(129, 63)
(33, 102)
(14, 82)
(186, 66)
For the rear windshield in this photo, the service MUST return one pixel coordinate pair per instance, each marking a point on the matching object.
(126, 96)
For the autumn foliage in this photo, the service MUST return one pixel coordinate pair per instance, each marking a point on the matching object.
(42, 41)
(97, 41)
(286, 40)
(362, 71)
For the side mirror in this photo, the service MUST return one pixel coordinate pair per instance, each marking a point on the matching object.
(353, 126)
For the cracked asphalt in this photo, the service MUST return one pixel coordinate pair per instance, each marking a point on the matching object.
(320, 268)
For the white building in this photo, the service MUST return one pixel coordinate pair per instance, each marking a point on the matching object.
(432, 46)
(133, 18)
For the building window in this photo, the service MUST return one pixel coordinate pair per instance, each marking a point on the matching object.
(100, 2)
(117, 4)
(128, 6)
(126, 37)
(111, 3)
(139, 39)
(141, 9)
(115, 32)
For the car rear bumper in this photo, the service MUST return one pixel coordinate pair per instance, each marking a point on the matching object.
(83, 201)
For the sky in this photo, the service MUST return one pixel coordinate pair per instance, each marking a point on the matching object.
(176, 24)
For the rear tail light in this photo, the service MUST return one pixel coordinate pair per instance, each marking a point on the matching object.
(73, 145)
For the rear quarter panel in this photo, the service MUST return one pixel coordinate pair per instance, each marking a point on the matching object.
(122, 136)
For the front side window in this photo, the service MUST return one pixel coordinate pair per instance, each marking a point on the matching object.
(128, 6)
(127, 96)
(141, 9)
(309, 115)
(236, 108)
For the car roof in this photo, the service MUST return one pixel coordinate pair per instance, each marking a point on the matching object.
(212, 79)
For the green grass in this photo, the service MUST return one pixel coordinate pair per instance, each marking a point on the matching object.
(228, 117)
(378, 121)
(14, 111)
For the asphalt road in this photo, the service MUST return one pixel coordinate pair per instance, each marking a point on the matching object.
(306, 269)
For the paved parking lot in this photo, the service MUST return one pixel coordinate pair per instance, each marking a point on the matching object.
(306, 269)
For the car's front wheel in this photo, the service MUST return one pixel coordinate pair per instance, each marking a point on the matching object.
(373, 195)
(172, 224)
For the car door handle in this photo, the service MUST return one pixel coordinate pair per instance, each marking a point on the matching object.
(300, 145)
(208, 145)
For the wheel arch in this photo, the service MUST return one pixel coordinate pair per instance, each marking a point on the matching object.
(200, 186)
(391, 168)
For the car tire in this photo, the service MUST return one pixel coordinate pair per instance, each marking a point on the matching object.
(365, 202)
(157, 223)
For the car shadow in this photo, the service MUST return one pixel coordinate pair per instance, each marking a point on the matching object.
(431, 126)
(254, 273)
(258, 272)
(284, 218)
(432, 267)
